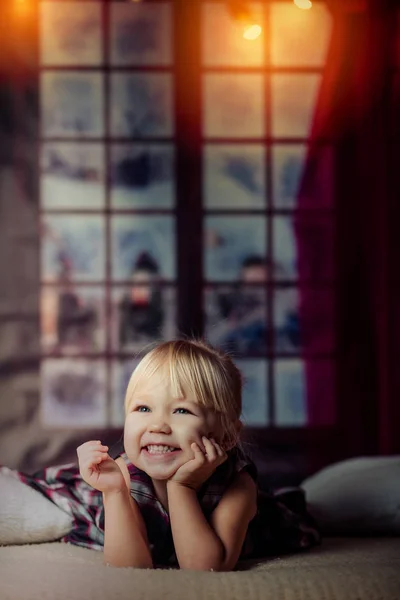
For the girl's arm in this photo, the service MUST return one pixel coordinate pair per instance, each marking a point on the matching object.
(124, 543)
(216, 546)
(125, 537)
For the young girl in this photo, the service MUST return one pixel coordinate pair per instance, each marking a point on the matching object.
(180, 492)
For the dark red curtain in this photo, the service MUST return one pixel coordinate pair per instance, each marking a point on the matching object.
(390, 425)
(351, 156)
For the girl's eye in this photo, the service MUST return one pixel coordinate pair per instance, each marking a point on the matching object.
(142, 408)
(185, 411)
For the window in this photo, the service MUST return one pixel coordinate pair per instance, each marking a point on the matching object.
(108, 202)
(172, 154)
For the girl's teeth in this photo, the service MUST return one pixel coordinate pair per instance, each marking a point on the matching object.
(160, 449)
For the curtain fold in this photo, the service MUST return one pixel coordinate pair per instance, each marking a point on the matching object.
(352, 111)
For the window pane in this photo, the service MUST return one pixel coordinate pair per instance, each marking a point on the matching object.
(288, 164)
(143, 314)
(233, 106)
(299, 37)
(303, 320)
(222, 37)
(255, 398)
(73, 393)
(70, 33)
(234, 176)
(72, 248)
(141, 34)
(143, 245)
(121, 374)
(304, 393)
(72, 104)
(287, 329)
(73, 319)
(304, 252)
(230, 244)
(236, 318)
(290, 393)
(142, 176)
(284, 249)
(141, 105)
(72, 176)
(293, 100)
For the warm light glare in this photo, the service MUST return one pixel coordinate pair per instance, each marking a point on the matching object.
(305, 4)
(22, 8)
(252, 32)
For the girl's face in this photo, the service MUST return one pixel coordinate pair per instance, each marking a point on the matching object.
(159, 429)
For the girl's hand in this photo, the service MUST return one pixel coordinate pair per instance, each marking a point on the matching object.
(195, 472)
(98, 469)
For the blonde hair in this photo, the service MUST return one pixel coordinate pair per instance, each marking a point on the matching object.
(195, 367)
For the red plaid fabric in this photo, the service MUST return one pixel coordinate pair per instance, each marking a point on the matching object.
(64, 486)
(282, 523)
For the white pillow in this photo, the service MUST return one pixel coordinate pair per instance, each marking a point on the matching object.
(26, 516)
(357, 496)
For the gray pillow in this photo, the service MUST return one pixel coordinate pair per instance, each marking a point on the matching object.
(359, 496)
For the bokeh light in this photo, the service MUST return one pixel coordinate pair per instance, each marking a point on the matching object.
(304, 4)
(252, 32)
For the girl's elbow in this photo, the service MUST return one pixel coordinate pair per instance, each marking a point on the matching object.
(198, 566)
(206, 566)
(206, 563)
(123, 563)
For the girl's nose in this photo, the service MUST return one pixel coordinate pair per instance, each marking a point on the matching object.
(160, 427)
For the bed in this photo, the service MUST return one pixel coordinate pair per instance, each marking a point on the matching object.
(352, 568)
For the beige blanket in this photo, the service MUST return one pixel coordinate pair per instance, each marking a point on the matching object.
(341, 569)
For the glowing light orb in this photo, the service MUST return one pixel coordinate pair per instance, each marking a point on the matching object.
(304, 4)
(252, 32)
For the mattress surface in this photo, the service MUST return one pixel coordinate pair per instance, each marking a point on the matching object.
(340, 569)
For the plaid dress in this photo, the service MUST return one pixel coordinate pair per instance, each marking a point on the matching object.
(282, 523)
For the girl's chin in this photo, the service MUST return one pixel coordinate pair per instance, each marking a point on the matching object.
(159, 474)
(161, 470)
